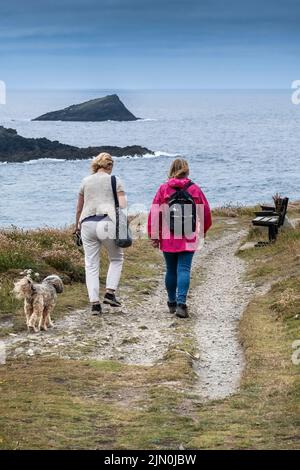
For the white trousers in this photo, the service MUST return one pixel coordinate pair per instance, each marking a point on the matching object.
(94, 235)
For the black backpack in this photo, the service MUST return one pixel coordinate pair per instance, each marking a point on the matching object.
(182, 211)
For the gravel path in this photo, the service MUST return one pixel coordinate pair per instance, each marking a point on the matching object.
(218, 303)
(135, 335)
(142, 334)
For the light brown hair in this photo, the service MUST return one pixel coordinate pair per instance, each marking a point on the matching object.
(103, 160)
(179, 168)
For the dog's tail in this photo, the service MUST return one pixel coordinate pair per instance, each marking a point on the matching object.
(56, 282)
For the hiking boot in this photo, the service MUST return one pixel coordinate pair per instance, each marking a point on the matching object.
(181, 311)
(96, 309)
(110, 299)
(172, 307)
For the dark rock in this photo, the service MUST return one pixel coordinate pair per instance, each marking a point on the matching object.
(15, 148)
(108, 108)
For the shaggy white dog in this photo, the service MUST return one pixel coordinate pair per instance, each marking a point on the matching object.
(39, 300)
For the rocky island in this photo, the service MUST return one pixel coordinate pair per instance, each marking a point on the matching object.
(108, 108)
(15, 148)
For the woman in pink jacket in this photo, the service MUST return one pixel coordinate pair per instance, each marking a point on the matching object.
(178, 220)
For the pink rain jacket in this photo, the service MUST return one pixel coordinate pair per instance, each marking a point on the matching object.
(160, 231)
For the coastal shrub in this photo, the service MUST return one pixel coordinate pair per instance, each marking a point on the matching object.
(234, 210)
(50, 238)
(41, 250)
(8, 302)
(61, 263)
(288, 299)
(13, 255)
(16, 260)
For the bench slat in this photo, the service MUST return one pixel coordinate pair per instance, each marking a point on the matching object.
(266, 220)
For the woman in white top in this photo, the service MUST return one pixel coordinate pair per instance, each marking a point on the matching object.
(95, 219)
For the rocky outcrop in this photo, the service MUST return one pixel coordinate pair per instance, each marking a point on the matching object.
(15, 148)
(108, 108)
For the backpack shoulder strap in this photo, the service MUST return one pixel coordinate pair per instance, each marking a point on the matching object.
(114, 190)
(179, 190)
(188, 185)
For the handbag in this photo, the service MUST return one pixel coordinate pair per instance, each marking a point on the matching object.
(123, 232)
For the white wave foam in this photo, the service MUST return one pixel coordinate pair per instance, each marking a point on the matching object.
(38, 160)
(146, 120)
(160, 153)
(131, 157)
(147, 155)
(156, 154)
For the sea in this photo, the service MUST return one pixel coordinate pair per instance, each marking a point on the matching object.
(242, 146)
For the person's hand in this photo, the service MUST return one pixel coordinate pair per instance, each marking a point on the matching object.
(155, 243)
(77, 237)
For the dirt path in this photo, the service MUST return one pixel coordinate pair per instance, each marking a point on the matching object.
(135, 335)
(218, 303)
(142, 334)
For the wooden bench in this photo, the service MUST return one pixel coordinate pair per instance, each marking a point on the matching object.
(271, 217)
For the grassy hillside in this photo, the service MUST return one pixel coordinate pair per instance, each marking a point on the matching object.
(50, 403)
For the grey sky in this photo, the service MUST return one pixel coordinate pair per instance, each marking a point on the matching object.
(149, 44)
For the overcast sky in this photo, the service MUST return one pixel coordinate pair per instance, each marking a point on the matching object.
(149, 43)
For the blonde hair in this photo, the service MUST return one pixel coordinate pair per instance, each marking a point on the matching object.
(179, 168)
(103, 160)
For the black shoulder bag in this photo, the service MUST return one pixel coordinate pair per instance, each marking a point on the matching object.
(123, 232)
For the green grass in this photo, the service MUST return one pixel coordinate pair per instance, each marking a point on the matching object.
(66, 404)
(59, 404)
(274, 261)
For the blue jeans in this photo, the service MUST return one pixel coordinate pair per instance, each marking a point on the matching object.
(178, 275)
